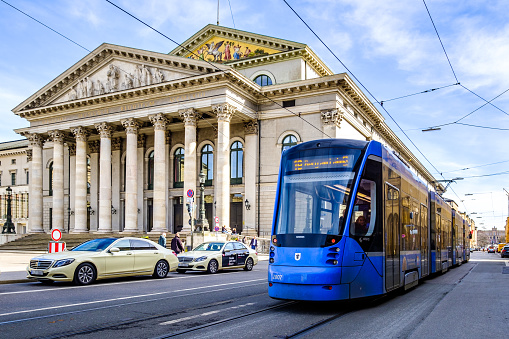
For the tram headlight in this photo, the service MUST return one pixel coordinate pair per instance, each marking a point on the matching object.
(334, 262)
(272, 248)
(271, 260)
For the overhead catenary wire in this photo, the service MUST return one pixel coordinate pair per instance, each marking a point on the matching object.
(423, 92)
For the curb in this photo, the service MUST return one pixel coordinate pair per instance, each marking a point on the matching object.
(15, 281)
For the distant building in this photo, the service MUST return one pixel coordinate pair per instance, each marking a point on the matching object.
(117, 141)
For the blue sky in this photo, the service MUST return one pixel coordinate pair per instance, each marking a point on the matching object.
(390, 46)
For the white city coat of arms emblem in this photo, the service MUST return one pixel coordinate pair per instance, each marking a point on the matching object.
(297, 256)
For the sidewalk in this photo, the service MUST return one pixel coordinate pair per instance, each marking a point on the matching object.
(13, 265)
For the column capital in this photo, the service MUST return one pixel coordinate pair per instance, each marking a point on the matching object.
(159, 121)
(105, 130)
(251, 127)
(57, 136)
(131, 125)
(29, 154)
(116, 144)
(80, 133)
(189, 115)
(332, 117)
(141, 140)
(94, 146)
(224, 111)
(72, 149)
(35, 140)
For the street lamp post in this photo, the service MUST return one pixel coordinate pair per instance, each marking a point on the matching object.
(9, 226)
(202, 223)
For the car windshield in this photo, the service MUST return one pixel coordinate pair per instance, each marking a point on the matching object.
(209, 246)
(95, 245)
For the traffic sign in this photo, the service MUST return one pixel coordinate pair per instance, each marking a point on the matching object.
(56, 246)
(216, 219)
(56, 235)
(216, 228)
(190, 193)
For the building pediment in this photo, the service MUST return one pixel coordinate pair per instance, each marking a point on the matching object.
(109, 69)
(223, 45)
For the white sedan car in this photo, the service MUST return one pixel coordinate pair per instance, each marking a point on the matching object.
(217, 255)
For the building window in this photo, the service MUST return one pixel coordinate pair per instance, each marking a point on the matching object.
(13, 162)
(207, 164)
(28, 177)
(50, 179)
(236, 161)
(13, 178)
(289, 141)
(0, 179)
(178, 168)
(151, 171)
(263, 80)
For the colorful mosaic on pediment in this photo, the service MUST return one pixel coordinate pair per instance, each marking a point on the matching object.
(222, 50)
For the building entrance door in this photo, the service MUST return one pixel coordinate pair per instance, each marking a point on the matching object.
(236, 216)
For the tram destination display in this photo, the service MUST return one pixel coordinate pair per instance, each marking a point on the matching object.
(323, 162)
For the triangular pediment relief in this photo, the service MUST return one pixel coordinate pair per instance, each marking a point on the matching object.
(223, 45)
(110, 69)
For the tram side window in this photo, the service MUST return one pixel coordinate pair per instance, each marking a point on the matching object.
(364, 211)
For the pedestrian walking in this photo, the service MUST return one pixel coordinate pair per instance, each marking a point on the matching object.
(254, 243)
(176, 244)
(162, 240)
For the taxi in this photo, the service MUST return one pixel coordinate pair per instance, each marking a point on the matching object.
(213, 256)
(103, 258)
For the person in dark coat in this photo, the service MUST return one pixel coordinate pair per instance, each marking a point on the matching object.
(176, 244)
(162, 240)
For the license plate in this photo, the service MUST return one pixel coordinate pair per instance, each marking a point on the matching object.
(183, 265)
(37, 272)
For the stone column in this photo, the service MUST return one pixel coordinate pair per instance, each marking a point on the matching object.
(189, 116)
(116, 145)
(72, 184)
(224, 113)
(105, 131)
(331, 120)
(94, 183)
(80, 198)
(142, 217)
(159, 202)
(35, 224)
(251, 159)
(169, 205)
(131, 194)
(58, 179)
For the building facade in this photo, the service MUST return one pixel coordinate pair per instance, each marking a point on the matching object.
(116, 143)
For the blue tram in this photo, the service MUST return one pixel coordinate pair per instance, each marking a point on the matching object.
(351, 220)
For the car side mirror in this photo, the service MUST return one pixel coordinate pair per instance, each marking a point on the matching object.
(114, 250)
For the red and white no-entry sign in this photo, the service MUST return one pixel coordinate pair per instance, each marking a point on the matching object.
(56, 235)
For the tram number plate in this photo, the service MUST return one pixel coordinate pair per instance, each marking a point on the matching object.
(183, 265)
(36, 272)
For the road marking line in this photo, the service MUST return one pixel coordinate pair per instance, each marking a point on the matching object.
(58, 289)
(119, 305)
(204, 314)
(125, 298)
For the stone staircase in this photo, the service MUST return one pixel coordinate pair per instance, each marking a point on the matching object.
(39, 242)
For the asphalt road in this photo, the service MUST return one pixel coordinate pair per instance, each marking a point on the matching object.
(467, 302)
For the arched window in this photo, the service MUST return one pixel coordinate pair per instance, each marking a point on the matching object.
(178, 168)
(236, 161)
(207, 163)
(263, 80)
(50, 178)
(289, 141)
(150, 178)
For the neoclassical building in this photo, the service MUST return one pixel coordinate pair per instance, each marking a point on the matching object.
(117, 141)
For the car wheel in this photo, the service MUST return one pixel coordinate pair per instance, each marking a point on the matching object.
(85, 274)
(249, 265)
(161, 269)
(213, 266)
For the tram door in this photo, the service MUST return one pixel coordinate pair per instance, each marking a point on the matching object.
(424, 241)
(392, 231)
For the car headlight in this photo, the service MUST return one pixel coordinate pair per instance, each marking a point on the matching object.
(201, 258)
(63, 262)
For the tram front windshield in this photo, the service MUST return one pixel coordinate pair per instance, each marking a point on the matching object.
(315, 188)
